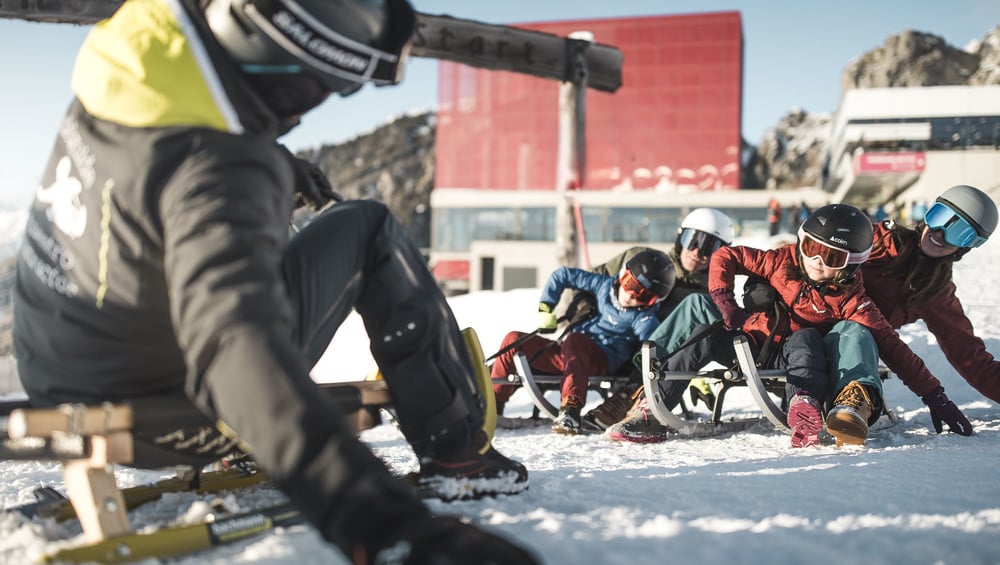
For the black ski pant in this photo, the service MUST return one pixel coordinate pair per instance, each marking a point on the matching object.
(355, 255)
(802, 355)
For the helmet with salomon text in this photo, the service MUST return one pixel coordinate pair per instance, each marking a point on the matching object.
(342, 44)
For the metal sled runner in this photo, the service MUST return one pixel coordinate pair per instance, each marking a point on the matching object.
(761, 383)
(537, 384)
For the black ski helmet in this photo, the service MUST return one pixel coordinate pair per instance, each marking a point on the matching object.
(974, 205)
(654, 270)
(341, 43)
(844, 227)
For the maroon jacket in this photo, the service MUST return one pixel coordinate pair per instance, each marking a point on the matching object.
(808, 308)
(943, 315)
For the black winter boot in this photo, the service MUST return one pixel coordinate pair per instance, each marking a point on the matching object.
(457, 470)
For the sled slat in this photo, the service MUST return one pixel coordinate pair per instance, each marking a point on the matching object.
(72, 419)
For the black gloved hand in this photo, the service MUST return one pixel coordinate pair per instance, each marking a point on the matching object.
(733, 317)
(444, 541)
(944, 410)
(758, 296)
(582, 307)
(312, 188)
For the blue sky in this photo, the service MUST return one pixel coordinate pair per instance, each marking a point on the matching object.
(794, 52)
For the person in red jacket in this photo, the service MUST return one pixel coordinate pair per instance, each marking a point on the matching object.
(832, 323)
(909, 277)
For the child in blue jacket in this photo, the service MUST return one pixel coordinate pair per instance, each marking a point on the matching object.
(625, 317)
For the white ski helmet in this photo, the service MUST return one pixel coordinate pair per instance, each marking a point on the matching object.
(712, 222)
(709, 221)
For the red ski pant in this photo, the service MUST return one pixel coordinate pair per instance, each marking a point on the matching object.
(577, 358)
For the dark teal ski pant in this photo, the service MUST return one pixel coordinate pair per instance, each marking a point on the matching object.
(853, 356)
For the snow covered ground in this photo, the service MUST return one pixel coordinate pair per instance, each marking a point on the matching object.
(908, 496)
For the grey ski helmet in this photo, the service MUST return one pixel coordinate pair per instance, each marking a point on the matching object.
(343, 44)
(654, 270)
(974, 205)
(840, 226)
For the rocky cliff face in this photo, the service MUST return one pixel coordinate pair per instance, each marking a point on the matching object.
(911, 58)
(790, 154)
(393, 164)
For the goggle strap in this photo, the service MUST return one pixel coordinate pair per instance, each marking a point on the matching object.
(310, 40)
(852, 257)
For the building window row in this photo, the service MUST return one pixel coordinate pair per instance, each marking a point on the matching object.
(454, 229)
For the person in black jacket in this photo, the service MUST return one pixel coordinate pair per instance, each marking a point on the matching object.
(157, 268)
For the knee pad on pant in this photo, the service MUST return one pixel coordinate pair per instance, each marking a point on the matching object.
(429, 374)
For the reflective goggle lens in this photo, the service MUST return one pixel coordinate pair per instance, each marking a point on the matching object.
(705, 243)
(832, 257)
(957, 231)
(639, 292)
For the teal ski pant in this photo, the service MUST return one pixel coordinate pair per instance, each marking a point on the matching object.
(853, 356)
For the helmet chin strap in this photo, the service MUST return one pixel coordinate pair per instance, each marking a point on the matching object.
(824, 287)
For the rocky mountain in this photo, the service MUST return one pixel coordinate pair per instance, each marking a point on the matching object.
(393, 164)
(789, 155)
(12, 224)
(914, 58)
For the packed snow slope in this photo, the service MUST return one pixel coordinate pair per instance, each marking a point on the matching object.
(908, 496)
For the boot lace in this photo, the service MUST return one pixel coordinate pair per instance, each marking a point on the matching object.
(854, 396)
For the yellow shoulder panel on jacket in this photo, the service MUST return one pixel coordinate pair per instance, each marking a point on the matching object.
(137, 69)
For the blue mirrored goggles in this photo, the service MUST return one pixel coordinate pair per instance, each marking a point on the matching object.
(705, 243)
(957, 231)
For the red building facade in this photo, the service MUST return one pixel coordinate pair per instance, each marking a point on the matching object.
(673, 126)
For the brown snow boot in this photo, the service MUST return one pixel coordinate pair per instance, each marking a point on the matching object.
(610, 412)
(847, 421)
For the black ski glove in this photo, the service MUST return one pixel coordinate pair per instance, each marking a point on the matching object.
(944, 410)
(758, 296)
(312, 188)
(443, 541)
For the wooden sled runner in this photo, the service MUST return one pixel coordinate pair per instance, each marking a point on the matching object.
(87, 440)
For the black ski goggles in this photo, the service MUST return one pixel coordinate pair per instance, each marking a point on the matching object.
(704, 243)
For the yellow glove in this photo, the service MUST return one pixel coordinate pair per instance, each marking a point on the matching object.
(547, 321)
